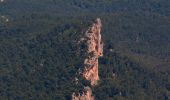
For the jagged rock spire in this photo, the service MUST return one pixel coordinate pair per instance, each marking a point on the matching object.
(94, 44)
(94, 50)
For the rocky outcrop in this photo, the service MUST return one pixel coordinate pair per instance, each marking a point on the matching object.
(94, 44)
(94, 50)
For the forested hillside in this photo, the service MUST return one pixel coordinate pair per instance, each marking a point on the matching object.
(76, 7)
(40, 54)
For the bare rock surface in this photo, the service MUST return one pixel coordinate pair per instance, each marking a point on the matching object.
(94, 44)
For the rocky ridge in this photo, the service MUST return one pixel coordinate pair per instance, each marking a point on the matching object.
(94, 44)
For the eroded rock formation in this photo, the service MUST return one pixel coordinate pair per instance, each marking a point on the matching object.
(94, 45)
(95, 50)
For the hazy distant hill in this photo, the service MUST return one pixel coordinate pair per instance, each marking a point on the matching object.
(75, 7)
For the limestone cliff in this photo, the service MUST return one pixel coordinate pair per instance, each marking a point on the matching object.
(94, 44)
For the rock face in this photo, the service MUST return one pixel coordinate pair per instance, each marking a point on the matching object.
(94, 50)
(94, 45)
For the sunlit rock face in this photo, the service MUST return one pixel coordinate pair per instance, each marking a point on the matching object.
(94, 44)
(94, 50)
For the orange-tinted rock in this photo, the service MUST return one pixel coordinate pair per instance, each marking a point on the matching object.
(95, 50)
(94, 44)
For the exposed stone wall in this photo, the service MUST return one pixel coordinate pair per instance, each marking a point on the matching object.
(94, 50)
(94, 44)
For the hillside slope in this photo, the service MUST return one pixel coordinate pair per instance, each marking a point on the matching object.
(39, 54)
(42, 65)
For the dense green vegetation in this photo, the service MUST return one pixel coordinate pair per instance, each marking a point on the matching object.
(40, 54)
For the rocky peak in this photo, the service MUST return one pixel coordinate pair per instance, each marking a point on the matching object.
(94, 50)
(94, 45)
